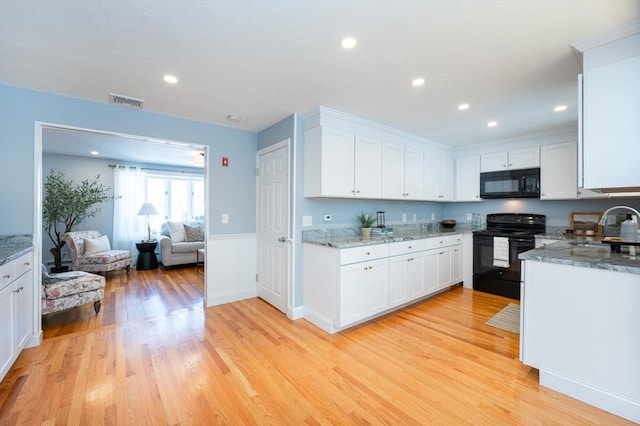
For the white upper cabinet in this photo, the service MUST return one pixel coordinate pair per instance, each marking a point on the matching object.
(401, 172)
(558, 171)
(368, 167)
(524, 158)
(438, 178)
(468, 179)
(341, 164)
(610, 145)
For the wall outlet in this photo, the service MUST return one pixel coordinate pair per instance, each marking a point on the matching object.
(307, 220)
(225, 218)
(414, 217)
(327, 218)
(433, 216)
(404, 217)
(469, 217)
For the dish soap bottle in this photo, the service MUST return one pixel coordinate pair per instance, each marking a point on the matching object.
(629, 229)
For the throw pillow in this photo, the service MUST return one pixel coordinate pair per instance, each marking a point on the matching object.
(193, 233)
(176, 231)
(96, 245)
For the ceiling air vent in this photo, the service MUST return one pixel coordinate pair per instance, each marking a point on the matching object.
(125, 101)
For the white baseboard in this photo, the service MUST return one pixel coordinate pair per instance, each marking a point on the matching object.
(230, 297)
(296, 313)
(616, 404)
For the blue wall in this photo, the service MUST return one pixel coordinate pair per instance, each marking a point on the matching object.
(231, 189)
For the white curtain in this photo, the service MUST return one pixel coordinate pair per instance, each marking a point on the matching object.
(128, 227)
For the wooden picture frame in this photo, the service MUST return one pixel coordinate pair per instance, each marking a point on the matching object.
(581, 222)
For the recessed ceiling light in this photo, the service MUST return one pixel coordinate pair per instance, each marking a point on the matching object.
(95, 153)
(417, 82)
(234, 118)
(560, 108)
(462, 107)
(171, 79)
(492, 124)
(348, 43)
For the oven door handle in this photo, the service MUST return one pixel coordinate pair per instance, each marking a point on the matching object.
(521, 240)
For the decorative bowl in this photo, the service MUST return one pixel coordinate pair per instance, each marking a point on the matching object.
(448, 223)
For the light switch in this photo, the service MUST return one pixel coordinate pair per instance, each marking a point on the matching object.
(307, 220)
(225, 218)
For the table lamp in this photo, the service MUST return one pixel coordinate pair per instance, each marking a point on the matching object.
(147, 209)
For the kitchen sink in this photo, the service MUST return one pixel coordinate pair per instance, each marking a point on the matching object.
(587, 244)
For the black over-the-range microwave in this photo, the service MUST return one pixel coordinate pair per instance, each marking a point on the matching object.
(522, 183)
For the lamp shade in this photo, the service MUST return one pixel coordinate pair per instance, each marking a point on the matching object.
(147, 209)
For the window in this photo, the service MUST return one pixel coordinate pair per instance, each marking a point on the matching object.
(175, 197)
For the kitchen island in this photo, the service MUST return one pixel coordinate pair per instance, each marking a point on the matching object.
(580, 323)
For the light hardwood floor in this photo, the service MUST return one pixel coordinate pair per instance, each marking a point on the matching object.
(154, 356)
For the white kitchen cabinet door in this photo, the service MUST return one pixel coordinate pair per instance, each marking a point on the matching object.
(525, 158)
(368, 167)
(445, 264)
(7, 330)
(329, 163)
(392, 171)
(405, 278)
(401, 173)
(467, 179)
(456, 265)
(353, 291)
(494, 162)
(430, 271)
(377, 294)
(24, 308)
(431, 177)
(364, 290)
(559, 171)
(611, 125)
(438, 178)
(447, 177)
(413, 174)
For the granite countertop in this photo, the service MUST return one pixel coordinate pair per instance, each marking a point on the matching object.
(14, 246)
(592, 255)
(350, 237)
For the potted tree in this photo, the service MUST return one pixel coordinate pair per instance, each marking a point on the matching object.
(366, 222)
(65, 205)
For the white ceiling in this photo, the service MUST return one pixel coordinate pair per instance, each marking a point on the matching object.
(265, 59)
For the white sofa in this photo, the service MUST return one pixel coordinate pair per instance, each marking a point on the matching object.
(180, 248)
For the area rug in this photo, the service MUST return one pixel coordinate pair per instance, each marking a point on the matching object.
(507, 319)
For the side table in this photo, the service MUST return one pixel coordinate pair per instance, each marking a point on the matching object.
(200, 258)
(146, 255)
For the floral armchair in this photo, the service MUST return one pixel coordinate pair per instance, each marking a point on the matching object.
(100, 258)
(71, 289)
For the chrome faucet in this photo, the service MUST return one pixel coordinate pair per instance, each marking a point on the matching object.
(603, 220)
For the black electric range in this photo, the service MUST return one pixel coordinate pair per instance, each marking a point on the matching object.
(496, 267)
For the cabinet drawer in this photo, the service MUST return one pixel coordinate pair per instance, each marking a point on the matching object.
(23, 264)
(361, 254)
(7, 273)
(444, 241)
(405, 247)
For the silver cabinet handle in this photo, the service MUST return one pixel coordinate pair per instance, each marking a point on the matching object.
(6, 276)
(282, 239)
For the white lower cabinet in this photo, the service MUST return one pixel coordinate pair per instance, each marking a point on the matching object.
(364, 290)
(345, 286)
(16, 307)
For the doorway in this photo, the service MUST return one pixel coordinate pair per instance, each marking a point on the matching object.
(135, 143)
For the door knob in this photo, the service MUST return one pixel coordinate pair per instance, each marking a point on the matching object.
(282, 239)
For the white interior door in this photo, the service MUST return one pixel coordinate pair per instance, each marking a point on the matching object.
(273, 225)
